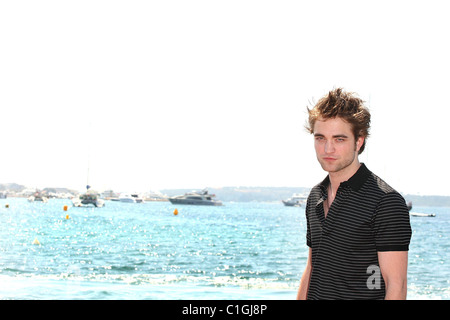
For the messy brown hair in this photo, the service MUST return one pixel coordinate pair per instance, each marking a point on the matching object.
(345, 105)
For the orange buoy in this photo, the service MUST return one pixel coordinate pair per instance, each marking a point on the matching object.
(175, 212)
(65, 208)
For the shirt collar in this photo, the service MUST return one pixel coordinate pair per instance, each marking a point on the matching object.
(355, 182)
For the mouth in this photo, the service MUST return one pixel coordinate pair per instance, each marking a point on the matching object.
(329, 159)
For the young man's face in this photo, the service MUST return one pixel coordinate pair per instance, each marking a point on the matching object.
(335, 144)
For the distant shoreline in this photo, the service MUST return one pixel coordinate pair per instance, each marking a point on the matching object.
(243, 194)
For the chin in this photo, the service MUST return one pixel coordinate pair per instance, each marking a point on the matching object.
(329, 167)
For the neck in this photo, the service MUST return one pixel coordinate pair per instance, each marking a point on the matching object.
(337, 177)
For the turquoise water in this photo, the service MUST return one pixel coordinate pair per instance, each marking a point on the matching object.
(144, 251)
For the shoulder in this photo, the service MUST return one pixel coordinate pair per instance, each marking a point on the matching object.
(382, 185)
(382, 189)
(378, 196)
(390, 203)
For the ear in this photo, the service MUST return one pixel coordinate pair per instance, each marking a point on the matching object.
(359, 142)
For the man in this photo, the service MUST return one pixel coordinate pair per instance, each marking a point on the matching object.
(358, 228)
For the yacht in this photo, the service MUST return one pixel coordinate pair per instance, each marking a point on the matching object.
(297, 200)
(131, 198)
(137, 197)
(202, 198)
(126, 197)
(90, 197)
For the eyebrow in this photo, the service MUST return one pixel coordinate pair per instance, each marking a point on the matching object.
(340, 136)
(335, 136)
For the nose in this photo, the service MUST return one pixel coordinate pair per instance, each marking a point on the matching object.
(329, 147)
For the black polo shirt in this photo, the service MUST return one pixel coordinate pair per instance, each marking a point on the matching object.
(366, 216)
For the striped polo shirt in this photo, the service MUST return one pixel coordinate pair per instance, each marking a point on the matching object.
(366, 216)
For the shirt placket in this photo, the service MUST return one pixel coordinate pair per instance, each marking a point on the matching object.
(333, 211)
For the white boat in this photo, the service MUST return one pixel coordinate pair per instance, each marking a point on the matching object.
(131, 198)
(202, 198)
(297, 200)
(137, 197)
(419, 214)
(90, 197)
(126, 197)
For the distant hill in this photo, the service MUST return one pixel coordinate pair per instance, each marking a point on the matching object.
(59, 190)
(17, 188)
(11, 187)
(428, 201)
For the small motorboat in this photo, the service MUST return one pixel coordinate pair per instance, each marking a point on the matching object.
(419, 214)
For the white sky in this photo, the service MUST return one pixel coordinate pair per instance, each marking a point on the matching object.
(190, 94)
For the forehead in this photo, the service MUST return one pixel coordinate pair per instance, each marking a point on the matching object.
(332, 126)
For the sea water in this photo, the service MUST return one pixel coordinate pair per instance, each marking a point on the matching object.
(145, 251)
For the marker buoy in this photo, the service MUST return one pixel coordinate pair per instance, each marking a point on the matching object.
(7, 206)
(65, 208)
(36, 241)
(175, 212)
(67, 217)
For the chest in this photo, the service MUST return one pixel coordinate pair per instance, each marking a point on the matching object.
(345, 222)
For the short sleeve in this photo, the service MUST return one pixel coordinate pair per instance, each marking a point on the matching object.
(391, 225)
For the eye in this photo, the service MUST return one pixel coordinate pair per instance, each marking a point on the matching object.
(340, 139)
